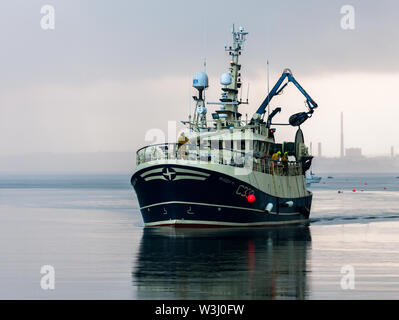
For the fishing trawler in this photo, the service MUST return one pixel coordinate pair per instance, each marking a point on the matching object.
(312, 179)
(227, 171)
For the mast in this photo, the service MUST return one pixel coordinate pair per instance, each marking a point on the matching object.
(200, 82)
(231, 81)
(231, 90)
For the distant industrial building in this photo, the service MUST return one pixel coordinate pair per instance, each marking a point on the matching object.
(363, 165)
(353, 152)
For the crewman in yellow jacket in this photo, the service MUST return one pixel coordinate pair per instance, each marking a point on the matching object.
(275, 158)
(181, 141)
(284, 161)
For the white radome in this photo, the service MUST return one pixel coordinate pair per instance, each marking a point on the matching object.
(226, 79)
(200, 80)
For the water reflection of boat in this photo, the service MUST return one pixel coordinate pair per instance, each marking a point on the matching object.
(265, 263)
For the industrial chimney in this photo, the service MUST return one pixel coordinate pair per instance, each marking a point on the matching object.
(342, 134)
(319, 149)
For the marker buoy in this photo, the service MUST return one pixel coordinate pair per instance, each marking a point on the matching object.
(251, 198)
(365, 183)
(354, 190)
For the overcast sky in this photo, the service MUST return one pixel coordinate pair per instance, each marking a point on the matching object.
(111, 70)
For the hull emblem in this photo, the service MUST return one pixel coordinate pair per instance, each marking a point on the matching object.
(168, 173)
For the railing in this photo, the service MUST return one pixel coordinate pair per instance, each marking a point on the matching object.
(235, 158)
(212, 125)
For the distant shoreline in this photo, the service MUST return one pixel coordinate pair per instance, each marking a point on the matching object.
(125, 162)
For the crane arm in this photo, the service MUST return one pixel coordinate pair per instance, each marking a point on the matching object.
(309, 101)
(276, 90)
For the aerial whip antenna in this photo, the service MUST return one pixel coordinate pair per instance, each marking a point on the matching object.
(247, 92)
(268, 88)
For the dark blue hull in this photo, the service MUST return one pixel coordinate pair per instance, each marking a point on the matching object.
(190, 196)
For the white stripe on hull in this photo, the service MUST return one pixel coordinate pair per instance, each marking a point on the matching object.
(155, 178)
(189, 178)
(176, 178)
(220, 223)
(158, 170)
(216, 205)
(191, 171)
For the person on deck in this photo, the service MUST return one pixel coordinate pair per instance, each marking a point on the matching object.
(284, 161)
(275, 159)
(181, 141)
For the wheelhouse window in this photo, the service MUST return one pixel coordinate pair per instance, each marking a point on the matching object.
(228, 145)
(214, 144)
(204, 145)
(242, 144)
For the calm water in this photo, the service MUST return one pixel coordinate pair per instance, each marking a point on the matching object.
(90, 230)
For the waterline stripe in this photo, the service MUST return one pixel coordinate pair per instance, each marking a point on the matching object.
(214, 205)
(221, 223)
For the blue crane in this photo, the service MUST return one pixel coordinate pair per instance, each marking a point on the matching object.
(295, 119)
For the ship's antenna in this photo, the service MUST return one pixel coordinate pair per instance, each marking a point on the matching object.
(204, 72)
(247, 92)
(205, 47)
(189, 105)
(268, 89)
(205, 42)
